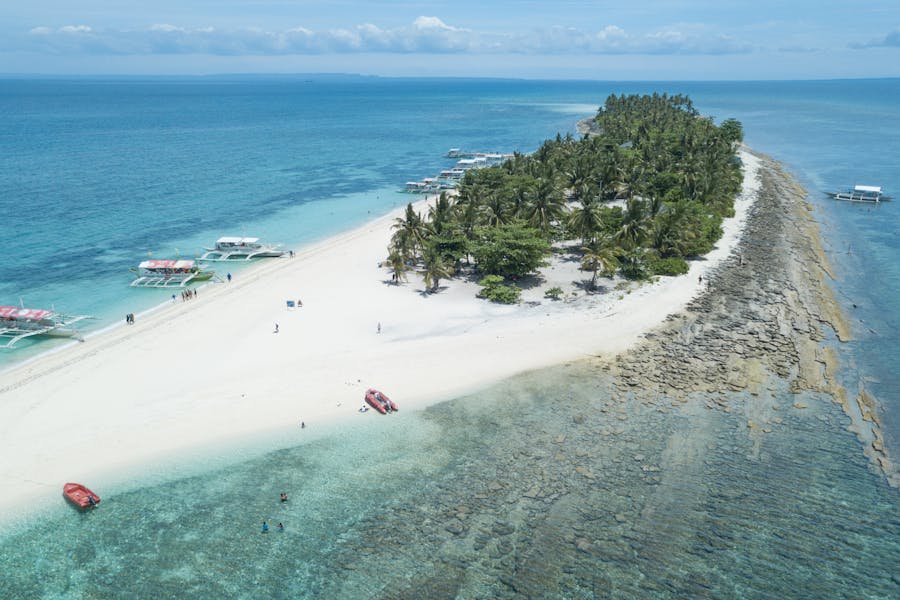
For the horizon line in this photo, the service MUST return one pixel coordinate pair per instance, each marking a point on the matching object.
(327, 74)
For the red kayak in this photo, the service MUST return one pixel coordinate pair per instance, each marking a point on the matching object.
(80, 495)
(380, 402)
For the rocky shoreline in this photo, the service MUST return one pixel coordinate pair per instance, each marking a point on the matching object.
(587, 126)
(767, 319)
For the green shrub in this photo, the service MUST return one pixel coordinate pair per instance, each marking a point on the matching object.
(493, 289)
(504, 294)
(511, 250)
(674, 265)
(554, 292)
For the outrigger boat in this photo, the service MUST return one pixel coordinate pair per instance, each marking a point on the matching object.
(17, 323)
(380, 402)
(241, 248)
(169, 273)
(861, 193)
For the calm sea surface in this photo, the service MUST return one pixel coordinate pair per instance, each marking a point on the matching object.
(480, 498)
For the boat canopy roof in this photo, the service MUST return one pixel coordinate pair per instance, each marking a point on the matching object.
(237, 240)
(868, 188)
(14, 312)
(167, 264)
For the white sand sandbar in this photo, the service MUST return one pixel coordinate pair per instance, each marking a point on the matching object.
(212, 369)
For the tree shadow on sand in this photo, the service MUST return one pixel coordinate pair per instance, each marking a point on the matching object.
(432, 291)
(585, 286)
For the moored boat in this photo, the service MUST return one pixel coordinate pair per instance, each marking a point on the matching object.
(80, 495)
(17, 323)
(380, 402)
(241, 248)
(861, 193)
(170, 273)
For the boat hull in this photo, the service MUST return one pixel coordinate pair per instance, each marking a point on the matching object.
(380, 402)
(871, 195)
(232, 248)
(80, 495)
(220, 256)
(19, 323)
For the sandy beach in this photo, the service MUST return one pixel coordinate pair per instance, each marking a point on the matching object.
(214, 369)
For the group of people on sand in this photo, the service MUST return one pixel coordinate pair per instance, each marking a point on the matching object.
(129, 319)
(265, 526)
(188, 295)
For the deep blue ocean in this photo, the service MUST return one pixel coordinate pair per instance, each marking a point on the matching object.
(97, 174)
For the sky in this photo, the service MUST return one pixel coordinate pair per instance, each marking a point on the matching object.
(534, 39)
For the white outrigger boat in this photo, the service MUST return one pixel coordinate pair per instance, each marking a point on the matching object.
(17, 323)
(241, 248)
(861, 193)
(169, 273)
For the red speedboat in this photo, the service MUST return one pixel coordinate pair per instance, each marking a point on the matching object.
(380, 402)
(80, 495)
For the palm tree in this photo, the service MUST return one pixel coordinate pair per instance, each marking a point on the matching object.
(467, 216)
(518, 191)
(579, 176)
(632, 263)
(599, 257)
(633, 181)
(434, 269)
(547, 205)
(398, 265)
(410, 233)
(611, 171)
(634, 225)
(440, 213)
(495, 210)
(586, 219)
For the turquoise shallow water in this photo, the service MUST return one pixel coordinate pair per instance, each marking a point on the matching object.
(540, 486)
(470, 498)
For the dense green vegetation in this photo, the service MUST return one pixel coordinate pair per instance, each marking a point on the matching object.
(672, 174)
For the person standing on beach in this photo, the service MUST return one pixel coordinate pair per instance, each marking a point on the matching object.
(276, 327)
(228, 277)
(379, 327)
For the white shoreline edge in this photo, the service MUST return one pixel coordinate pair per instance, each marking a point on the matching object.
(206, 373)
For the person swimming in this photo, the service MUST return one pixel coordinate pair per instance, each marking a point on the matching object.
(265, 527)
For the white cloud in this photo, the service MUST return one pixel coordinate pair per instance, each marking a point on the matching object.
(75, 29)
(165, 27)
(428, 35)
(432, 23)
(890, 40)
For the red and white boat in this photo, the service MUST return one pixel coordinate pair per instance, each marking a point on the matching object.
(80, 495)
(380, 402)
(17, 323)
(170, 273)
